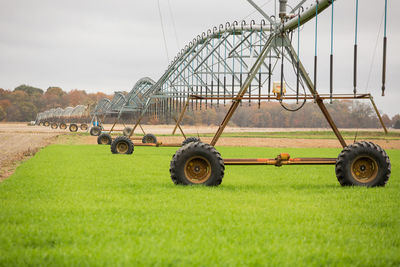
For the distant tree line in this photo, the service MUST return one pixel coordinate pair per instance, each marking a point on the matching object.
(24, 102)
(346, 114)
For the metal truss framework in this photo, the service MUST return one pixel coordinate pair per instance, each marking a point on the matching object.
(229, 64)
(234, 63)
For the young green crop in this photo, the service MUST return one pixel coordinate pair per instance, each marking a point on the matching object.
(82, 205)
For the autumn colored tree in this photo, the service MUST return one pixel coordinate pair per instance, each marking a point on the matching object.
(77, 97)
(24, 102)
(30, 90)
(3, 114)
(395, 119)
(386, 120)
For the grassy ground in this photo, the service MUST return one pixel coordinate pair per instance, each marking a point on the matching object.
(81, 205)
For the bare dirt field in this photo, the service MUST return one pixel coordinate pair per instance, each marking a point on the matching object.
(19, 141)
(18, 145)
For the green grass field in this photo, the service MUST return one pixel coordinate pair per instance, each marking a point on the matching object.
(81, 205)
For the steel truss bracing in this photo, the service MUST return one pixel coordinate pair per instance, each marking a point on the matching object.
(230, 64)
(359, 164)
(237, 60)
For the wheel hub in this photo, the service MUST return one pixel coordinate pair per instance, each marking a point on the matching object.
(104, 140)
(122, 147)
(364, 169)
(197, 169)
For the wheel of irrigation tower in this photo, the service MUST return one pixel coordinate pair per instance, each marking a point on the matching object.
(122, 145)
(95, 131)
(197, 163)
(150, 139)
(73, 127)
(41, 123)
(104, 139)
(363, 164)
(54, 125)
(84, 126)
(190, 140)
(127, 131)
(46, 123)
(63, 126)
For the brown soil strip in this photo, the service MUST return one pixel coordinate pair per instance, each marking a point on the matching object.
(16, 148)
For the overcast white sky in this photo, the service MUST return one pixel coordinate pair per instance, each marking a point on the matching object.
(104, 45)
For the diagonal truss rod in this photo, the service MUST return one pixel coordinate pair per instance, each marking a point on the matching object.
(268, 46)
(243, 90)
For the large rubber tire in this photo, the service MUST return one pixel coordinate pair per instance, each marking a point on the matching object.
(73, 127)
(127, 131)
(63, 126)
(46, 123)
(190, 140)
(95, 131)
(104, 139)
(41, 123)
(122, 145)
(83, 127)
(54, 125)
(197, 163)
(363, 164)
(149, 139)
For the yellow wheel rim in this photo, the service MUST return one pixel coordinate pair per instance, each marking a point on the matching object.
(364, 169)
(197, 169)
(122, 147)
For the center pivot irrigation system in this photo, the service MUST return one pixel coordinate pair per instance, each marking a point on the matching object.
(69, 117)
(233, 64)
(258, 49)
(131, 104)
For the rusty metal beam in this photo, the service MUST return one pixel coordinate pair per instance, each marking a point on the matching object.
(311, 88)
(378, 114)
(136, 125)
(184, 136)
(158, 144)
(286, 97)
(144, 133)
(181, 117)
(329, 119)
(116, 121)
(276, 162)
